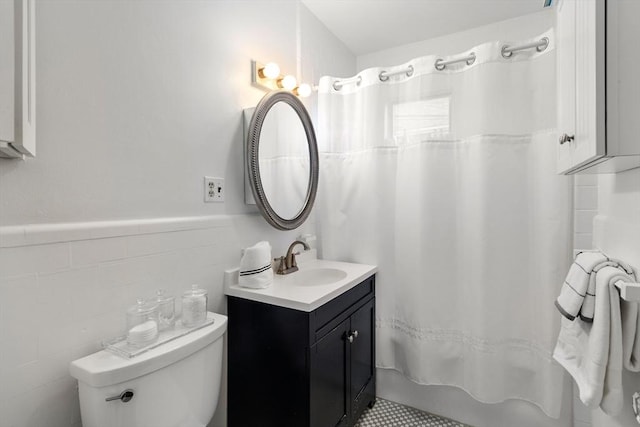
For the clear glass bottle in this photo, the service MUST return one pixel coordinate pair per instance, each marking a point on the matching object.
(194, 306)
(142, 323)
(166, 310)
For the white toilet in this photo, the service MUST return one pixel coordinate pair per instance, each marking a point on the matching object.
(176, 384)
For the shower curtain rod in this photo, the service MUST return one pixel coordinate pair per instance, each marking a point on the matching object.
(540, 45)
(440, 64)
(384, 75)
(337, 85)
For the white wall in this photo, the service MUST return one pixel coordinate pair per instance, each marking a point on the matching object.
(619, 196)
(137, 101)
(585, 209)
(63, 289)
(617, 229)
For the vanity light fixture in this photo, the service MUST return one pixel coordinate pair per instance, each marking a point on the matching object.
(303, 91)
(287, 82)
(269, 71)
(267, 76)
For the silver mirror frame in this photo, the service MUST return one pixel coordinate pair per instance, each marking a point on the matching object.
(253, 164)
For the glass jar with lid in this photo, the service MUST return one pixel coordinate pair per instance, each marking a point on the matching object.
(142, 323)
(166, 310)
(194, 306)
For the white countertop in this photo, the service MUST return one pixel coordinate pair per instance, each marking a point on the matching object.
(287, 291)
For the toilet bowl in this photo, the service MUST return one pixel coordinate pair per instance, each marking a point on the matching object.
(176, 384)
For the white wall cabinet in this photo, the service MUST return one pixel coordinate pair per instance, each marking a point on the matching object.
(598, 86)
(17, 78)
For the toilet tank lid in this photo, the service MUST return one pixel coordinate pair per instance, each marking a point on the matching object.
(104, 368)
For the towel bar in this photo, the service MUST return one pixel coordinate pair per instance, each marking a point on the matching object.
(629, 291)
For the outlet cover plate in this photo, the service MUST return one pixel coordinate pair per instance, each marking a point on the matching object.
(213, 189)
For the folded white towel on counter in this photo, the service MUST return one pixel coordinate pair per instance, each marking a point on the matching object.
(255, 266)
(593, 352)
(575, 287)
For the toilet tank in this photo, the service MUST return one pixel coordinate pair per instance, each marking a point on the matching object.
(176, 384)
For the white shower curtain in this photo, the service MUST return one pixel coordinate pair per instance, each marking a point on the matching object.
(446, 180)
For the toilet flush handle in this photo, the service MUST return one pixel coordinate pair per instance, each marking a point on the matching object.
(125, 396)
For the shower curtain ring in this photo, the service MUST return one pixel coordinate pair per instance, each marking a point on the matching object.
(505, 54)
(383, 77)
(439, 64)
(410, 71)
(472, 58)
(543, 46)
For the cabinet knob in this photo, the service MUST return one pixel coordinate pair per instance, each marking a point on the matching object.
(355, 334)
(564, 138)
(350, 337)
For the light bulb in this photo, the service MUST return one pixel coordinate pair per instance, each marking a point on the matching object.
(288, 82)
(269, 71)
(303, 90)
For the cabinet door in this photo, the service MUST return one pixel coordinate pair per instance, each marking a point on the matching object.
(18, 60)
(6, 70)
(362, 357)
(581, 83)
(330, 378)
(566, 80)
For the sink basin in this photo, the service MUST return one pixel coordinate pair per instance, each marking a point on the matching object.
(317, 282)
(317, 276)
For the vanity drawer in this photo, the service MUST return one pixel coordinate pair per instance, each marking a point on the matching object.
(329, 311)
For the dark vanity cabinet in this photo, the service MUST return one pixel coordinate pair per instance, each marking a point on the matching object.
(292, 368)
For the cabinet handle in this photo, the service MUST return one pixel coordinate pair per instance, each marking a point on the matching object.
(564, 138)
(352, 335)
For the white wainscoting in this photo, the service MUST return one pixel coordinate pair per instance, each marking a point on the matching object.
(65, 287)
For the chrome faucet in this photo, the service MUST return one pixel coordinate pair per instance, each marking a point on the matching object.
(287, 264)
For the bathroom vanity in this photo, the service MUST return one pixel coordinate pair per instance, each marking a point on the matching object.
(303, 354)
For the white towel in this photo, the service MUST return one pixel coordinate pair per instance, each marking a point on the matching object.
(575, 287)
(630, 335)
(255, 266)
(593, 352)
(588, 306)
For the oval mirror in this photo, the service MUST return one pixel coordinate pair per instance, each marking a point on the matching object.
(282, 160)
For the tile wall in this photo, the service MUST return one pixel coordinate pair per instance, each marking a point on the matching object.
(64, 288)
(585, 209)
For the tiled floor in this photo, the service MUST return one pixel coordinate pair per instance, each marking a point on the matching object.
(391, 414)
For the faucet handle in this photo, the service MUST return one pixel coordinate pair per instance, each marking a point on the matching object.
(282, 264)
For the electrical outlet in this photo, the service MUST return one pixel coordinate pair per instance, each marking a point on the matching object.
(213, 189)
